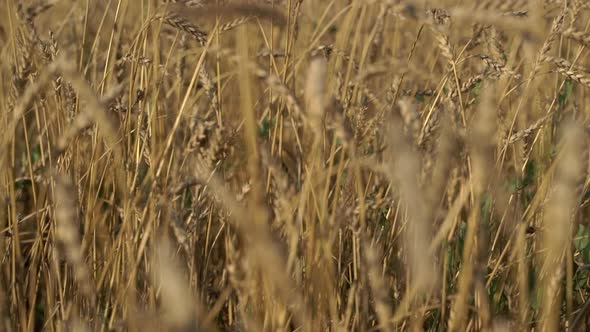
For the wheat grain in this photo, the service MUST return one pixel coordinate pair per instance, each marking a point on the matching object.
(565, 68)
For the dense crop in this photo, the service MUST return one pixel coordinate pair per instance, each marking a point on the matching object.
(294, 165)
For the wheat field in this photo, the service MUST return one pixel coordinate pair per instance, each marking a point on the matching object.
(290, 165)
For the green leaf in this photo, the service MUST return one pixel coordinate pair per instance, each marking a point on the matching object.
(476, 89)
(529, 173)
(486, 206)
(534, 291)
(264, 129)
(419, 97)
(35, 154)
(580, 279)
(582, 238)
(565, 93)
